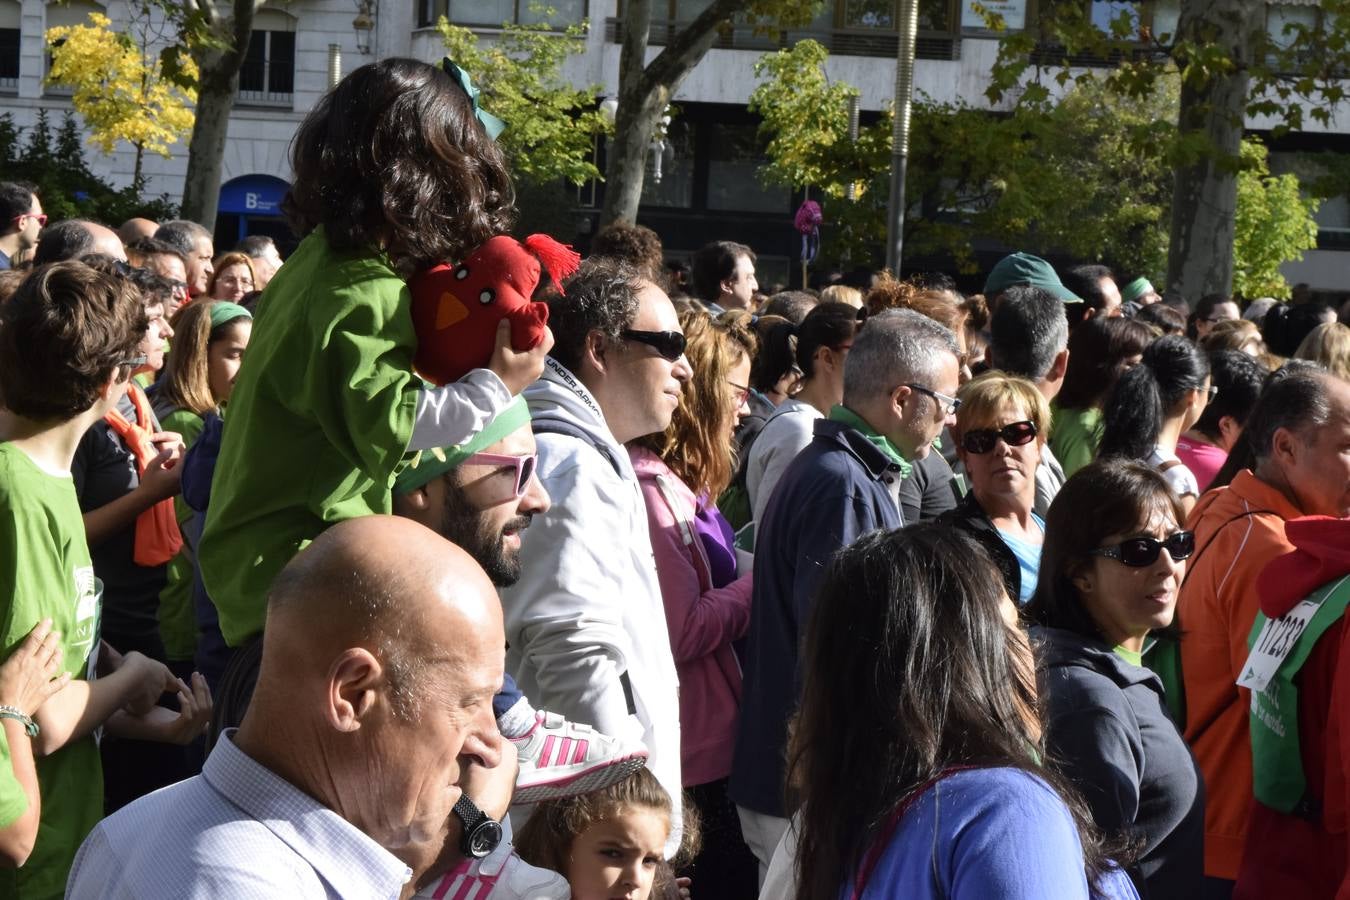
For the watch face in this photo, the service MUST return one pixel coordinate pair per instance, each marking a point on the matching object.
(484, 838)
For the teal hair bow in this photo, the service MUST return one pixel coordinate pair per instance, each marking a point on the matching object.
(491, 124)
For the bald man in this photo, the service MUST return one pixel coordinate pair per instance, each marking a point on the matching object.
(134, 229)
(384, 647)
(76, 238)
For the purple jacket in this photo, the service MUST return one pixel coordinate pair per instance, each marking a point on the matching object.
(703, 620)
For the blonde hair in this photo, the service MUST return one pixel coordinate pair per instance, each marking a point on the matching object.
(1232, 334)
(186, 382)
(697, 443)
(842, 293)
(1328, 345)
(546, 839)
(984, 398)
(224, 261)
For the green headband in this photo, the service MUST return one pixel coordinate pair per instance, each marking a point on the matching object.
(431, 464)
(1136, 289)
(223, 311)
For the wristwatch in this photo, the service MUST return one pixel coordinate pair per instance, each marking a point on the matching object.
(482, 833)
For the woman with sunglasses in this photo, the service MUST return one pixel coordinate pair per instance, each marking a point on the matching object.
(1152, 405)
(1111, 568)
(682, 471)
(1001, 426)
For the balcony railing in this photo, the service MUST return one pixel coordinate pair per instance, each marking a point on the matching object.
(850, 42)
(264, 82)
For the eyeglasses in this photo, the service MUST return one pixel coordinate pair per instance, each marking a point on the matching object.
(982, 440)
(126, 367)
(41, 218)
(1138, 552)
(524, 466)
(670, 344)
(950, 404)
(742, 393)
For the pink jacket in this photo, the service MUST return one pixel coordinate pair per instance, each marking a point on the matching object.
(702, 621)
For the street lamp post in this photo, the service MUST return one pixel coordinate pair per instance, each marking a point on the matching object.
(904, 92)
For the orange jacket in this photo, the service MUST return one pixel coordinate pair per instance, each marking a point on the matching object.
(1238, 530)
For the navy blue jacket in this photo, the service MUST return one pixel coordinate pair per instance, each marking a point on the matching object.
(834, 492)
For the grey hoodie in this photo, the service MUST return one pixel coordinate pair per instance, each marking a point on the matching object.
(1107, 729)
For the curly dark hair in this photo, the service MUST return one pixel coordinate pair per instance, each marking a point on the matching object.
(602, 296)
(393, 157)
(636, 245)
(61, 335)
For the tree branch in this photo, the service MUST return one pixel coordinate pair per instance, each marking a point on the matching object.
(679, 57)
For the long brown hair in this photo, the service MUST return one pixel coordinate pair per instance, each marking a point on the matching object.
(697, 443)
(186, 382)
(908, 669)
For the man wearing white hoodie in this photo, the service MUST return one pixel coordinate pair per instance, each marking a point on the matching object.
(585, 624)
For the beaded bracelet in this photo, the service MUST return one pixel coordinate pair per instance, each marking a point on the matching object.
(11, 712)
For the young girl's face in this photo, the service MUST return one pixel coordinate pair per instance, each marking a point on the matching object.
(617, 858)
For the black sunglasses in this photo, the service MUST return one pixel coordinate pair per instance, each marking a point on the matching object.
(982, 440)
(669, 344)
(1143, 551)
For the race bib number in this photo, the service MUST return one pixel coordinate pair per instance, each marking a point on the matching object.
(1273, 645)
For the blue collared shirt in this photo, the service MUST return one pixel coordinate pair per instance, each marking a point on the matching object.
(237, 830)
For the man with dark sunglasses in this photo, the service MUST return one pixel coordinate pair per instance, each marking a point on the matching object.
(22, 219)
(586, 623)
(1297, 434)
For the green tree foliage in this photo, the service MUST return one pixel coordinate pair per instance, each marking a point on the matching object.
(55, 163)
(1236, 60)
(1088, 176)
(1274, 225)
(550, 125)
(1295, 70)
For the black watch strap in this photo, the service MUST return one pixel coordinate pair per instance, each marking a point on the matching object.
(481, 833)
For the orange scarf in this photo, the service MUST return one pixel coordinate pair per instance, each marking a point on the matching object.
(158, 539)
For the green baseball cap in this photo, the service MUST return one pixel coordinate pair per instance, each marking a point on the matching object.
(1018, 269)
(430, 464)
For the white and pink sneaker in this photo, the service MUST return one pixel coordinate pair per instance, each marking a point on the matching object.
(560, 759)
(501, 875)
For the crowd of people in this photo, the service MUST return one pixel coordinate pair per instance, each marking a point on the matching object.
(873, 590)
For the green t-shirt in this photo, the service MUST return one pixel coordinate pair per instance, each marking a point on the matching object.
(1075, 436)
(45, 572)
(177, 620)
(320, 416)
(13, 801)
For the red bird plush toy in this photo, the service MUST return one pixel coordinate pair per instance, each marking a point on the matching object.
(456, 309)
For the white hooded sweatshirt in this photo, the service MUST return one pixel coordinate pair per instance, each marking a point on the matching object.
(586, 615)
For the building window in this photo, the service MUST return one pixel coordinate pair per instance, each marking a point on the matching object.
(9, 60)
(496, 13)
(676, 188)
(735, 156)
(68, 14)
(267, 77)
(10, 16)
